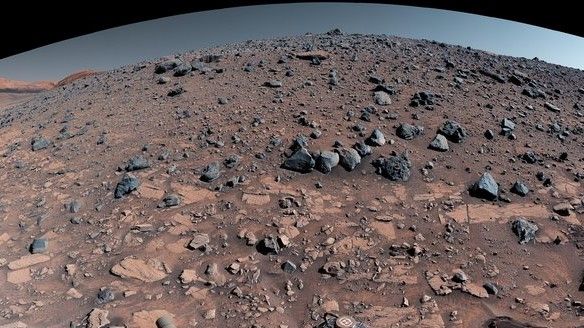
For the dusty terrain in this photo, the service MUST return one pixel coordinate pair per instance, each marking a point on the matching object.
(193, 189)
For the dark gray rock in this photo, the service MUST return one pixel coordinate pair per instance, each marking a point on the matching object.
(289, 267)
(507, 126)
(459, 277)
(273, 84)
(485, 187)
(381, 98)
(182, 69)
(268, 245)
(489, 134)
(39, 143)
(128, 184)
(525, 230)
(552, 107)
(171, 200)
(105, 295)
(530, 157)
(39, 245)
(491, 288)
(453, 131)
(349, 158)
(137, 163)
(299, 142)
(497, 77)
(231, 161)
(394, 168)
(520, 188)
(73, 206)
(167, 65)
(326, 161)
(175, 91)
(440, 143)
(362, 148)
(211, 172)
(408, 132)
(301, 161)
(333, 78)
(533, 93)
(376, 138)
(422, 98)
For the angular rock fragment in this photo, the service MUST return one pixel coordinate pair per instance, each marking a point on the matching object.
(440, 143)
(362, 148)
(453, 131)
(200, 242)
(128, 184)
(39, 245)
(486, 187)
(137, 163)
(524, 229)
(408, 132)
(394, 168)
(376, 138)
(39, 143)
(268, 245)
(520, 188)
(301, 161)
(210, 172)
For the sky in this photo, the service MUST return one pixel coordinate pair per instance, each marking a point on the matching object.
(152, 39)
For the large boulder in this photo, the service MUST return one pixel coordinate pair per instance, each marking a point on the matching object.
(349, 158)
(301, 161)
(394, 168)
(486, 187)
(326, 161)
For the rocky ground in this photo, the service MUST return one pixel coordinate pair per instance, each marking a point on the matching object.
(319, 181)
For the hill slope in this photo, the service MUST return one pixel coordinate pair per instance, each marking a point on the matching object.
(181, 187)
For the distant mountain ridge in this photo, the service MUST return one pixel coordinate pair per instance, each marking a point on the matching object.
(16, 86)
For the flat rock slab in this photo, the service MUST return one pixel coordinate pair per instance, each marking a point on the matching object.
(478, 213)
(27, 261)
(475, 290)
(18, 276)
(191, 194)
(18, 324)
(138, 269)
(254, 199)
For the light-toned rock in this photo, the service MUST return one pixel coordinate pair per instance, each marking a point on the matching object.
(27, 261)
(18, 276)
(138, 269)
(74, 293)
(18, 324)
(188, 276)
(97, 318)
(475, 290)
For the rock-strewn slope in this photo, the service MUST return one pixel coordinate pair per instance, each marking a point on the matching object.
(291, 182)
